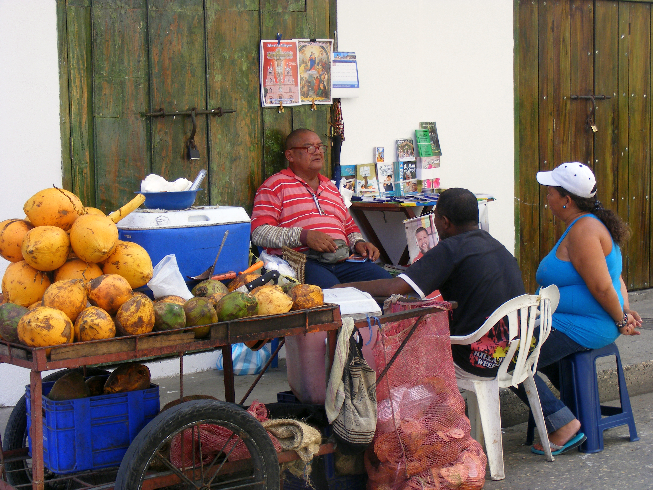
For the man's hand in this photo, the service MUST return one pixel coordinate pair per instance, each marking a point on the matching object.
(320, 241)
(366, 249)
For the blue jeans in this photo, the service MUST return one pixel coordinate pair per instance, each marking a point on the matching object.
(557, 345)
(328, 275)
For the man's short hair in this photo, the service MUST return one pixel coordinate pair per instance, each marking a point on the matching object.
(459, 205)
(421, 228)
(291, 139)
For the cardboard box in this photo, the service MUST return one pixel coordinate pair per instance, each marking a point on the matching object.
(194, 235)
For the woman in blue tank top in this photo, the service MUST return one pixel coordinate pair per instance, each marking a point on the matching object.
(585, 264)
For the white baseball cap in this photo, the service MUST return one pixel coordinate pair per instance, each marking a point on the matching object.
(574, 177)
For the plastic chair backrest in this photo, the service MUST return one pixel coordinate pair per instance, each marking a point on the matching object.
(522, 313)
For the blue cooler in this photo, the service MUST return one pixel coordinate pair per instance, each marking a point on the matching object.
(194, 235)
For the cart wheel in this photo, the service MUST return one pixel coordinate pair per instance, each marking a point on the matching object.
(201, 444)
(20, 472)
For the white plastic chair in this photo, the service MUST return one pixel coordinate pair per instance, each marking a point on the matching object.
(522, 313)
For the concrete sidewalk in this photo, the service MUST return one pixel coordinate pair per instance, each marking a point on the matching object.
(622, 463)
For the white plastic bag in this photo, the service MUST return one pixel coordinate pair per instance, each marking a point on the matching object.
(167, 279)
(247, 361)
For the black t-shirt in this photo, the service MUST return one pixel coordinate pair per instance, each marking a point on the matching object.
(479, 273)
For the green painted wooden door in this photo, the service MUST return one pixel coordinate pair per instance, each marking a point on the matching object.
(566, 49)
(120, 59)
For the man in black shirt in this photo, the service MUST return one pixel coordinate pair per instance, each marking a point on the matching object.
(469, 267)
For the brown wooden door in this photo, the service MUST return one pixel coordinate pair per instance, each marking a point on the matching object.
(119, 60)
(583, 48)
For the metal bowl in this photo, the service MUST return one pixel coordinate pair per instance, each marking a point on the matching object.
(169, 200)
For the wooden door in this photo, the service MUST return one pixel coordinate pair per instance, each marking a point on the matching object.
(122, 59)
(567, 51)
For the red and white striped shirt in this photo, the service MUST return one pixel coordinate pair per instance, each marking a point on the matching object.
(287, 201)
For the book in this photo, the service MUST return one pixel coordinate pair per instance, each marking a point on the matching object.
(385, 175)
(433, 135)
(379, 154)
(397, 172)
(423, 142)
(409, 178)
(366, 183)
(405, 150)
(348, 177)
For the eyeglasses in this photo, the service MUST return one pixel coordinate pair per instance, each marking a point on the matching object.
(311, 148)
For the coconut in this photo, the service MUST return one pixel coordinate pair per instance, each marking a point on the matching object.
(132, 262)
(272, 300)
(10, 315)
(209, 287)
(23, 285)
(199, 312)
(89, 210)
(236, 305)
(53, 207)
(93, 238)
(94, 323)
(135, 316)
(109, 292)
(128, 377)
(306, 296)
(68, 296)
(44, 326)
(168, 316)
(77, 269)
(178, 300)
(46, 248)
(12, 232)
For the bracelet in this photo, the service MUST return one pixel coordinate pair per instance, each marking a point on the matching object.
(623, 322)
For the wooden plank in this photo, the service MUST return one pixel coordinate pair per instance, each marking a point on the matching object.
(15, 353)
(639, 158)
(284, 6)
(177, 54)
(233, 82)
(578, 145)
(527, 161)
(120, 93)
(64, 101)
(606, 81)
(113, 346)
(79, 92)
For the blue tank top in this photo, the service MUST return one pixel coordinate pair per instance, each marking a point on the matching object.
(579, 315)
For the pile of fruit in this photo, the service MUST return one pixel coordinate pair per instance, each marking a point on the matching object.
(72, 280)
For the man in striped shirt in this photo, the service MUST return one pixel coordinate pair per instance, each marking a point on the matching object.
(301, 209)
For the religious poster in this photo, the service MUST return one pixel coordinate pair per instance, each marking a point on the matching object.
(315, 70)
(279, 73)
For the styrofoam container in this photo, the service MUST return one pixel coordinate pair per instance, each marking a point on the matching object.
(193, 235)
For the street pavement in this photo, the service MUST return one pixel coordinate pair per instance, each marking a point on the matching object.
(622, 464)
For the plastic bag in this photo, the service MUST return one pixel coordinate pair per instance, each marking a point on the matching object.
(167, 279)
(247, 361)
(275, 263)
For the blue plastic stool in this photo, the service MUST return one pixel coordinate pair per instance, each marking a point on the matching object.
(579, 390)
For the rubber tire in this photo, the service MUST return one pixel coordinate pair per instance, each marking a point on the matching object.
(16, 431)
(170, 422)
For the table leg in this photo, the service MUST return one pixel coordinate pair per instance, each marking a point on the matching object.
(228, 368)
(366, 227)
(36, 394)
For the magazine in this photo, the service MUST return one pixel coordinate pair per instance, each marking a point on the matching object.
(421, 236)
(366, 183)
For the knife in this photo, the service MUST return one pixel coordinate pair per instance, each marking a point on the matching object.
(260, 281)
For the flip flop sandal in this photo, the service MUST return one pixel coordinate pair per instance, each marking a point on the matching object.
(572, 443)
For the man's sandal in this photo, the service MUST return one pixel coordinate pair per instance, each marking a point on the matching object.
(572, 443)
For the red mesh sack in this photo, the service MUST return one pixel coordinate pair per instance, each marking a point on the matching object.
(422, 437)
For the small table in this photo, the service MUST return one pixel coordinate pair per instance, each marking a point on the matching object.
(359, 208)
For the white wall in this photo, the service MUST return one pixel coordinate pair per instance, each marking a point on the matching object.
(448, 61)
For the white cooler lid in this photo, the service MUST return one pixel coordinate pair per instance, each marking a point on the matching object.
(149, 219)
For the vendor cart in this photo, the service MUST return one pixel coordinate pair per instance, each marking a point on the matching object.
(245, 458)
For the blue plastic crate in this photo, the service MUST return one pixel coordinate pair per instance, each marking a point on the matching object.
(92, 433)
